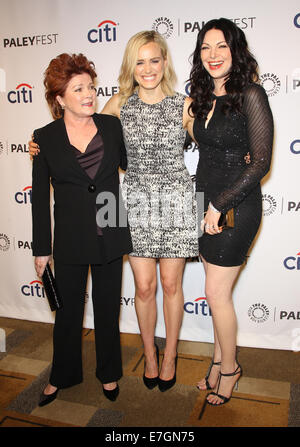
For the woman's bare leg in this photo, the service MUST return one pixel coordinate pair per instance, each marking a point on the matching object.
(144, 271)
(214, 372)
(171, 273)
(219, 284)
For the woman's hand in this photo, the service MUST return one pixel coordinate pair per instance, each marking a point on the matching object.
(210, 222)
(40, 263)
(33, 148)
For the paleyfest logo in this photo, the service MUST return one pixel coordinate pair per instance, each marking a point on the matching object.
(29, 41)
(13, 148)
(163, 26)
(4, 242)
(296, 80)
(269, 204)
(106, 31)
(271, 83)
(258, 312)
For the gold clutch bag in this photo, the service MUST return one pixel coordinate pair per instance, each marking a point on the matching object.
(227, 220)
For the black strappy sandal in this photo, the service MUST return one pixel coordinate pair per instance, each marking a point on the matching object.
(208, 387)
(225, 399)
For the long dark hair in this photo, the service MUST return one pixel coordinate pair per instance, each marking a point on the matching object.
(243, 70)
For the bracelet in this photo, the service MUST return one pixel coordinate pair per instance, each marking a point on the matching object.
(213, 208)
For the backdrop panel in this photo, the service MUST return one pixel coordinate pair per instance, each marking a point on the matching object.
(33, 32)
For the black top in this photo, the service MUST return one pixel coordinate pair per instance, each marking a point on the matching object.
(224, 176)
(90, 160)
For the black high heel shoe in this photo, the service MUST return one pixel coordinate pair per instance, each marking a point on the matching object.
(226, 399)
(46, 399)
(111, 394)
(151, 382)
(165, 385)
(207, 384)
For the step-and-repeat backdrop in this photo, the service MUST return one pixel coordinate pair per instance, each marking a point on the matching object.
(266, 295)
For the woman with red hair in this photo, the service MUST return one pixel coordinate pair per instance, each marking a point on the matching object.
(80, 153)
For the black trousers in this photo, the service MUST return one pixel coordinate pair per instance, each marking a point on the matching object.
(67, 334)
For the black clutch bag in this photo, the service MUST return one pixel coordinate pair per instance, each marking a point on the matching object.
(54, 298)
(227, 220)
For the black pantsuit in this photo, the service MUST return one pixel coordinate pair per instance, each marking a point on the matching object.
(78, 245)
(67, 336)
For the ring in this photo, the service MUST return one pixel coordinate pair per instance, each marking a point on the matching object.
(207, 226)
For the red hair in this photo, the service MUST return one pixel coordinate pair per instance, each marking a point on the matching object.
(58, 74)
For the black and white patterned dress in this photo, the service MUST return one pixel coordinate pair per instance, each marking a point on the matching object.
(157, 187)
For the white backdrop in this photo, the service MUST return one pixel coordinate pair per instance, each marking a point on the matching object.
(32, 32)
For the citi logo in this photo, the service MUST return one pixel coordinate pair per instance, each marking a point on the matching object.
(198, 307)
(292, 262)
(295, 147)
(105, 32)
(25, 196)
(34, 288)
(188, 88)
(22, 94)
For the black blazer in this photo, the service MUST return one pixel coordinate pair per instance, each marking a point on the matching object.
(75, 193)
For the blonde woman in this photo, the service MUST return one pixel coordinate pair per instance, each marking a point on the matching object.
(154, 118)
(158, 192)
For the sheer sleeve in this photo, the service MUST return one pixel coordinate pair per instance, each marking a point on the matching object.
(260, 140)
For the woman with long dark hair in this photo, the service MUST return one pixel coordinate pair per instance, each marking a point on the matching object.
(234, 130)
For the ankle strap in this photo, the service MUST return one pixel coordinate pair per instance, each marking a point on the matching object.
(237, 371)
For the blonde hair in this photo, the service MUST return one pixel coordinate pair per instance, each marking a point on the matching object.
(126, 79)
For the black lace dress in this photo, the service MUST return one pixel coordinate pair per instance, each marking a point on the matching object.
(225, 178)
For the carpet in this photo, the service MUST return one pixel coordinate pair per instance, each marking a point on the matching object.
(268, 394)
